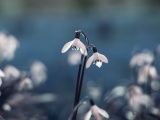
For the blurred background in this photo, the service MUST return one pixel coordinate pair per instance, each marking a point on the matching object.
(118, 28)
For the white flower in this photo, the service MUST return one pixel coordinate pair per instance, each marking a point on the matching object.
(146, 72)
(11, 73)
(8, 45)
(96, 112)
(96, 58)
(25, 84)
(141, 59)
(76, 44)
(38, 72)
(137, 100)
(1, 75)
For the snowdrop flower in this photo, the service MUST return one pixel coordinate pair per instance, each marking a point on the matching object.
(1, 75)
(76, 44)
(25, 84)
(38, 72)
(137, 100)
(95, 111)
(8, 45)
(96, 58)
(146, 72)
(140, 59)
(11, 73)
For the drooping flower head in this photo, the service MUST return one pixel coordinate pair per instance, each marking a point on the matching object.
(75, 44)
(96, 112)
(96, 58)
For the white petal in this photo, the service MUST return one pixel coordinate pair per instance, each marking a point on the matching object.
(88, 115)
(2, 73)
(89, 61)
(103, 58)
(95, 112)
(67, 46)
(96, 56)
(82, 48)
(103, 112)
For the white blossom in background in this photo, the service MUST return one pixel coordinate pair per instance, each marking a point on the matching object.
(2, 74)
(8, 45)
(155, 85)
(38, 72)
(116, 92)
(137, 99)
(93, 90)
(25, 84)
(11, 73)
(74, 58)
(141, 59)
(146, 72)
(6, 107)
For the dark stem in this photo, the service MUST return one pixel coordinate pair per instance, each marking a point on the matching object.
(78, 80)
(80, 86)
(80, 75)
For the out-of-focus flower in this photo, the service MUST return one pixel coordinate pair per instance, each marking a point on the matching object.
(155, 85)
(76, 44)
(25, 84)
(155, 111)
(147, 72)
(93, 90)
(74, 58)
(141, 59)
(96, 58)
(8, 45)
(6, 107)
(96, 112)
(130, 115)
(137, 99)
(38, 72)
(116, 92)
(11, 73)
(2, 74)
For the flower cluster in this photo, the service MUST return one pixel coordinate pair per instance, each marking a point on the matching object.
(140, 98)
(18, 88)
(76, 44)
